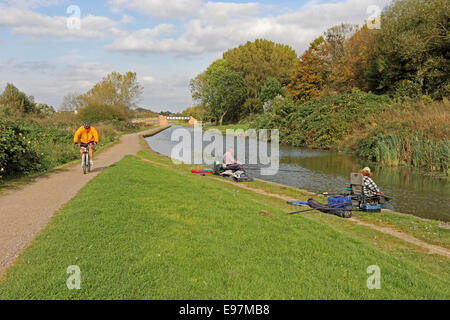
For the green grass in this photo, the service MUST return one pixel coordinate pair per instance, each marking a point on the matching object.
(139, 231)
(240, 126)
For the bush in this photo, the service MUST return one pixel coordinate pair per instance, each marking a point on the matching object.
(100, 112)
(17, 153)
(407, 90)
(322, 123)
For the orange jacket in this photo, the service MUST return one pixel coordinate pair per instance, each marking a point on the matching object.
(88, 136)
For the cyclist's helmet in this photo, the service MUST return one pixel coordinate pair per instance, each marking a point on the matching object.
(87, 125)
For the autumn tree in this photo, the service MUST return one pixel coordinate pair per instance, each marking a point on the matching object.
(335, 58)
(308, 80)
(112, 98)
(359, 53)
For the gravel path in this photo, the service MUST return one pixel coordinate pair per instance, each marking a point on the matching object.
(26, 211)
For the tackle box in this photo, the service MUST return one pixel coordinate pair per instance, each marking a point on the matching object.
(371, 207)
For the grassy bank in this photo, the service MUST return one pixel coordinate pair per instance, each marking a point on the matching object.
(138, 232)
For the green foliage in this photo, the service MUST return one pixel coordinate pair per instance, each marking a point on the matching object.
(110, 99)
(17, 152)
(198, 112)
(95, 112)
(16, 104)
(271, 88)
(413, 44)
(407, 91)
(16, 100)
(258, 60)
(45, 110)
(221, 90)
(322, 123)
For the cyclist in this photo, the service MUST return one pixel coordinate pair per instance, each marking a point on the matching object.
(88, 136)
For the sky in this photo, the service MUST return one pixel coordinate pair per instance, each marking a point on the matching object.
(47, 52)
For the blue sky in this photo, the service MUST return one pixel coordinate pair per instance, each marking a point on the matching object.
(167, 42)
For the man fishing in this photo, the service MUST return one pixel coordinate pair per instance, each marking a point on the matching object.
(230, 162)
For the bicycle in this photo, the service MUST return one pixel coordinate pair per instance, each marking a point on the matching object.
(86, 160)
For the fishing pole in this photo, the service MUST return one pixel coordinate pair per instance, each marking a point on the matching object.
(281, 170)
(324, 207)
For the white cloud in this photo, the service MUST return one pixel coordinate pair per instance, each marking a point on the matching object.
(219, 26)
(32, 4)
(158, 8)
(82, 76)
(27, 22)
(126, 19)
(148, 79)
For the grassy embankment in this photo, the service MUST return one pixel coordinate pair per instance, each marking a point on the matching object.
(154, 230)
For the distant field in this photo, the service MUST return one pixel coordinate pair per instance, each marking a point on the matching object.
(140, 231)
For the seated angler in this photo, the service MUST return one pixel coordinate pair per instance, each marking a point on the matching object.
(230, 162)
(370, 187)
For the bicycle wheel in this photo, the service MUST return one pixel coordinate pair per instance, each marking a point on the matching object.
(85, 159)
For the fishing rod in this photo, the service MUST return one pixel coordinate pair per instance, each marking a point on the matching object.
(281, 170)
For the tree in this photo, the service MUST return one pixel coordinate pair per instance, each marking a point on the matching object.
(16, 100)
(72, 102)
(220, 90)
(359, 51)
(116, 89)
(413, 45)
(111, 98)
(335, 58)
(258, 60)
(271, 88)
(309, 79)
(45, 110)
(199, 112)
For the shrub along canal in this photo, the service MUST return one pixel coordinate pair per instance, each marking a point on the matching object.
(414, 191)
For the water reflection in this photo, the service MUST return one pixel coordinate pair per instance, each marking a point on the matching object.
(415, 192)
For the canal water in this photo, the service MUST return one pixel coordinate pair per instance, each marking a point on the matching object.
(414, 192)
